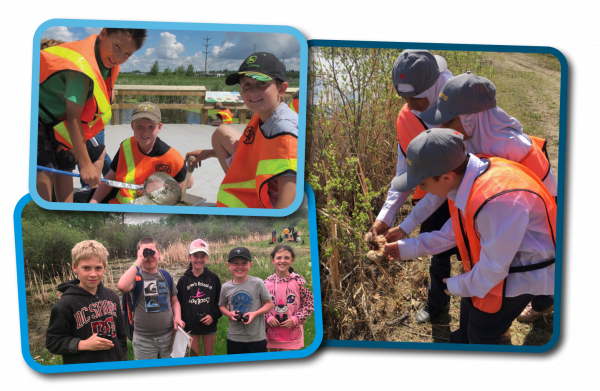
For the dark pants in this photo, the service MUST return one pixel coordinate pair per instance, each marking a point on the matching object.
(439, 267)
(478, 327)
(234, 347)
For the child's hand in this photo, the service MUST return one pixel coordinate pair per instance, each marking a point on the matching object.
(95, 343)
(392, 251)
(251, 316)
(446, 290)
(178, 322)
(394, 234)
(231, 315)
(207, 320)
(274, 322)
(288, 324)
(90, 175)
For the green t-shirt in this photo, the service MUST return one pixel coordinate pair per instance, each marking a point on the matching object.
(68, 85)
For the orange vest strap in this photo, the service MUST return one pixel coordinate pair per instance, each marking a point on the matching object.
(409, 126)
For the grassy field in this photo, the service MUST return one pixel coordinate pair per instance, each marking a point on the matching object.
(174, 260)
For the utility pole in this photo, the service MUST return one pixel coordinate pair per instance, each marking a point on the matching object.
(206, 52)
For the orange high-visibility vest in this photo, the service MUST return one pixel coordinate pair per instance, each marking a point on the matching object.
(502, 176)
(257, 161)
(135, 167)
(295, 105)
(79, 56)
(226, 115)
(409, 126)
(536, 159)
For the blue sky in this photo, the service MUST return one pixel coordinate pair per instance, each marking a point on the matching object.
(172, 48)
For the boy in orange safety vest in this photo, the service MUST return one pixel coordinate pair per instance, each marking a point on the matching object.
(504, 225)
(76, 83)
(141, 156)
(260, 165)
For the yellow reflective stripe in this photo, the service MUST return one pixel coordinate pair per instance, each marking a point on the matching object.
(229, 199)
(130, 176)
(104, 110)
(62, 130)
(293, 107)
(130, 161)
(276, 166)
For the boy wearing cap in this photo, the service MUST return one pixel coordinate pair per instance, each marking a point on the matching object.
(504, 225)
(141, 156)
(76, 83)
(418, 77)
(244, 300)
(198, 292)
(156, 309)
(260, 165)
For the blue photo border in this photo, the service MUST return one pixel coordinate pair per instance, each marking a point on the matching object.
(243, 28)
(561, 193)
(316, 283)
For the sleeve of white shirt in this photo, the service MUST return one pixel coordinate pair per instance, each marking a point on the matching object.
(428, 243)
(551, 184)
(501, 224)
(394, 199)
(421, 212)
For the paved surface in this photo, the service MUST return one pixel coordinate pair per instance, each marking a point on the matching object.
(184, 138)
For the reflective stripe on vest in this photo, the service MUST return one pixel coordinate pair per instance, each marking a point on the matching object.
(80, 56)
(135, 167)
(409, 126)
(226, 116)
(295, 105)
(127, 196)
(257, 161)
(502, 176)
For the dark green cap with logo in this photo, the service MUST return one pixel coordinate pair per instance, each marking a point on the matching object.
(260, 66)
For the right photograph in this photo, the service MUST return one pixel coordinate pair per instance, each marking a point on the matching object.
(439, 193)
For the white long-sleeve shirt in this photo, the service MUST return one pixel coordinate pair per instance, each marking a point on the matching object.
(508, 144)
(513, 232)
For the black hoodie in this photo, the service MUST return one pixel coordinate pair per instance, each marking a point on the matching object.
(199, 294)
(77, 315)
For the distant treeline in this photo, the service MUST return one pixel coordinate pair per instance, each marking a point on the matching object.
(49, 235)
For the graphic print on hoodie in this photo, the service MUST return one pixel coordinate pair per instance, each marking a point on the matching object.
(199, 295)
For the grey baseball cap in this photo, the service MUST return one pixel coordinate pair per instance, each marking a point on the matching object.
(433, 152)
(146, 110)
(416, 71)
(463, 94)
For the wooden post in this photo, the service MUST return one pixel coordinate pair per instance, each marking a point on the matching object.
(119, 101)
(243, 113)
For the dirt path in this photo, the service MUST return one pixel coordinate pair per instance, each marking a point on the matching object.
(541, 76)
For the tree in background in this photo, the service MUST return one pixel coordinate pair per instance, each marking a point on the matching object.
(180, 70)
(167, 72)
(190, 71)
(154, 69)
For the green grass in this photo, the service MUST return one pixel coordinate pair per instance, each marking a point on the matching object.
(211, 83)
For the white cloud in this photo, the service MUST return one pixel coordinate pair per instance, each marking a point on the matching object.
(149, 52)
(168, 48)
(93, 30)
(61, 33)
(217, 49)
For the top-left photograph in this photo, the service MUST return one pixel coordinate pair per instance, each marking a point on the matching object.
(168, 117)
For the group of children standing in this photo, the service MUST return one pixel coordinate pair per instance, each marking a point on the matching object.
(87, 324)
(77, 82)
(486, 192)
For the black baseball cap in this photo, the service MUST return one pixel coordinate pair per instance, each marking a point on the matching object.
(240, 252)
(261, 66)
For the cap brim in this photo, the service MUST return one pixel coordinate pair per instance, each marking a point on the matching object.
(442, 64)
(198, 250)
(144, 115)
(434, 116)
(233, 79)
(405, 182)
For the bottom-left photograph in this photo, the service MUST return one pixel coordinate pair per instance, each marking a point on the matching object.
(104, 290)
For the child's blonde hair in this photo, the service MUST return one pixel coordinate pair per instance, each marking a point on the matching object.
(88, 249)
